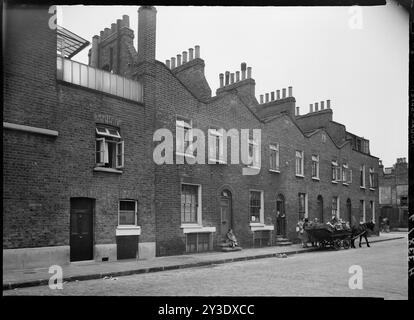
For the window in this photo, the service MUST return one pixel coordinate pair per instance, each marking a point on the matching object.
(189, 203)
(109, 148)
(303, 205)
(335, 206)
(315, 167)
(127, 215)
(299, 163)
(362, 210)
(216, 146)
(371, 178)
(362, 176)
(336, 172)
(274, 157)
(198, 242)
(184, 136)
(256, 206)
(345, 175)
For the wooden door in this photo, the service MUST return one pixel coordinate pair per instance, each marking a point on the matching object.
(81, 229)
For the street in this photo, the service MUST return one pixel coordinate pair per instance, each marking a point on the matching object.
(321, 273)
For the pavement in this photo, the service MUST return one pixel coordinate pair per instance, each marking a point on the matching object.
(96, 270)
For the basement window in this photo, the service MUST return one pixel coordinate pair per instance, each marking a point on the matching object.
(109, 148)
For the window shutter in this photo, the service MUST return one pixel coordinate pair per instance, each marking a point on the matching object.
(120, 154)
(100, 151)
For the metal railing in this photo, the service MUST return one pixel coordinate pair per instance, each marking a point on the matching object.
(96, 79)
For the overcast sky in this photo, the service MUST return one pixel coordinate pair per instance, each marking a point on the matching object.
(364, 71)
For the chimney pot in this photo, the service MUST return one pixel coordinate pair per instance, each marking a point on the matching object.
(284, 93)
(125, 19)
(297, 111)
(106, 32)
(261, 99)
(101, 34)
(197, 52)
(167, 62)
(184, 57)
(272, 96)
(190, 53)
(316, 106)
(267, 97)
(290, 91)
(178, 60)
(311, 107)
(328, 104)
(221, 76)
(249, 72)
(232, 77)
(237, 76)
(277, 94)
(227, 77)
(113, 27)
(243, 70)
(172, 62)
(322, 105)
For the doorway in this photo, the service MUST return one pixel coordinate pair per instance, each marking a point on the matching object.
(320, 208)
(280, 216)
(226, 216)
(81, 229)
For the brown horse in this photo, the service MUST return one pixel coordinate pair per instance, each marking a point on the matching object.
(361, 231)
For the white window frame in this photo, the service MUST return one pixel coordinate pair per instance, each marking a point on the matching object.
(102, 151)
(212, 154)
(371, 178)
(274, 149)
(103, 132)
(135, 213)
(363, 186)
(301, 156)
(106, 132)
(335, 172)
(185, 123)
(345, 173)
(199, 219)
(261, 212)
(315, 159)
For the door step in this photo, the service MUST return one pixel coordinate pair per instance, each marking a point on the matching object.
(229, 249)
(282, 242)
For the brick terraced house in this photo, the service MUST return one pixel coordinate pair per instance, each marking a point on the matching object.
(80, 182)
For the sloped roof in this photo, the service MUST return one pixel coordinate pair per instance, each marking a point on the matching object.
(69, 43)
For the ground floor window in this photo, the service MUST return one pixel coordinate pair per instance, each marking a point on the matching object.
(127, 213)
(189, 203)
(335, 207)
(198, 242)
(262, 238)
(256, 206)
(302, 205)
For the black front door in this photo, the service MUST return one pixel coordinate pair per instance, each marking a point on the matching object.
(81, 229)
(280, 218)
(320, 208)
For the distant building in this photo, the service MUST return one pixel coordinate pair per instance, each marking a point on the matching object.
(393, 193)
(80, 182)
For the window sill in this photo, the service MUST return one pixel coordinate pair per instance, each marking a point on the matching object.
(111, 170)
(316, 179)
(299, 175)
(334, 182)
(196, 228)
(128, 231)
(255, 226)
(274, 170)
(345, 184)
(372, 189)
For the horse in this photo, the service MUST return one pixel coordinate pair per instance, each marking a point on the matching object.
(361, 231)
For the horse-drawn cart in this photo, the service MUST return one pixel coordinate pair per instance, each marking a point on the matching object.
(326, 236)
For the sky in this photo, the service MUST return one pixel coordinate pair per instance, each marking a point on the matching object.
(355, 56)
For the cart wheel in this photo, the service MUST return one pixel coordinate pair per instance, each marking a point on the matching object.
(346, 244)
(337, 244)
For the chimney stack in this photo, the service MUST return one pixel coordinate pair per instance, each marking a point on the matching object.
(272, 96)
(284, 93)
(290, 91)
(172, 63)
(243, 70)
(147, 23)
(191, 54)
(328, 104)
(178, 60)
(237, 76)
(249, 72)
(311, 107)
(316, 106)
(277, 94)
(227, 78)
(232, 77)
(322, 105)
(221, 76)
(184, 57)
(94, 52)
(267, 97)
(125, 20)
(197, 52)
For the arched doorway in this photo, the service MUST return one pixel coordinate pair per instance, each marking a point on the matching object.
(349, 211)
(320, 208)
(280, 216)
(226, 214)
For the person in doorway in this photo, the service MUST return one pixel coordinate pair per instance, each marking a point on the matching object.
(300, 231)
(232, 238)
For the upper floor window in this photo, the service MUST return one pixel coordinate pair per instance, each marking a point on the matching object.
(127, 215)
(256, 206)
(190, 199)
(315, 166)
(362, 176)
(109, 148)
(372, 178)
(299, 163)
(274, 157)
(336, 172)
(184, 136)
(216, 146)
(345, 173)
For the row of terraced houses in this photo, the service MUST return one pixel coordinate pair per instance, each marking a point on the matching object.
(80, 181)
